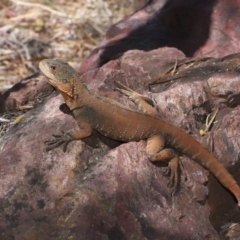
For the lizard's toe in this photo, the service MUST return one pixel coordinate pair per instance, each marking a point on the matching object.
(56, 142)
(172, 170)
(53, 144)
(183, 172)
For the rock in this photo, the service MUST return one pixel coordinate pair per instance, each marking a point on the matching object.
(101, 189)
(197, 28)
(26, 91)
(96, 191)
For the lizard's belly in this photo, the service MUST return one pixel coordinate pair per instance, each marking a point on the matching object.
(122, 128)
(116, 135)
(118, 124)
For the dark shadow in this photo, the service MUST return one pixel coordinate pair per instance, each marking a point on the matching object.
(224, 208)
(183, 24)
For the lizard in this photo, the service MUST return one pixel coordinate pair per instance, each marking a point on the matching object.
(116, 121)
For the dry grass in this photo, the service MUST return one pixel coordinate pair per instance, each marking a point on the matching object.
(32, 30)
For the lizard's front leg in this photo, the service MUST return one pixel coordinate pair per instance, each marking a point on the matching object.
(65, 138)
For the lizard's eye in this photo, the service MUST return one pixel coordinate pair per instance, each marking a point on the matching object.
(64, 80)
(53, 67)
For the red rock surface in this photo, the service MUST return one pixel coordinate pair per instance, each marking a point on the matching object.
(96, 190)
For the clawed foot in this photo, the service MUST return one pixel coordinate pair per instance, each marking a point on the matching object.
(132, 95)
(173, 172)
(64, 139)
(183, 172)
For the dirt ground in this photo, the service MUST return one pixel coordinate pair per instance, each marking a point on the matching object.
(32, 30)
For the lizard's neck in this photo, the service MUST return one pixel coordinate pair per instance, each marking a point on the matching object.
(80, 95)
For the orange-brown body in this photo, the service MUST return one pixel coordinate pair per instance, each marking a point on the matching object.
(118, 122)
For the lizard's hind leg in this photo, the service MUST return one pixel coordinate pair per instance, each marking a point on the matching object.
(155, 144)
(156, 152)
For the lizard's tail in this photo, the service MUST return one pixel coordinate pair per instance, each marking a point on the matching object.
(207, 160)
(192, 148)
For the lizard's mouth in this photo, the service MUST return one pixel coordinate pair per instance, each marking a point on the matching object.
(52, 82)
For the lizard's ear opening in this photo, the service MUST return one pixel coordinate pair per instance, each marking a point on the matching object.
(64, 81)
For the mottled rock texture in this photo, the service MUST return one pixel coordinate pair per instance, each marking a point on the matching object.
(101, 189)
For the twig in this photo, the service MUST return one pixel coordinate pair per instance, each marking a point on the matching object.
(209, 123)
(38, 5)
(4, 120)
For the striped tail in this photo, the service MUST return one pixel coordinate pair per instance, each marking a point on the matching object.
(197, 152)
(219, 171)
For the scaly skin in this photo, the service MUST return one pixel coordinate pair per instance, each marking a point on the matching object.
(118, 122)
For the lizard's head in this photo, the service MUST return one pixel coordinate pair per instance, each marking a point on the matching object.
(60, 74)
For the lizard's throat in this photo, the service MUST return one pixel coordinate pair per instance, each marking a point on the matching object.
(66, 97)
(66, 90)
